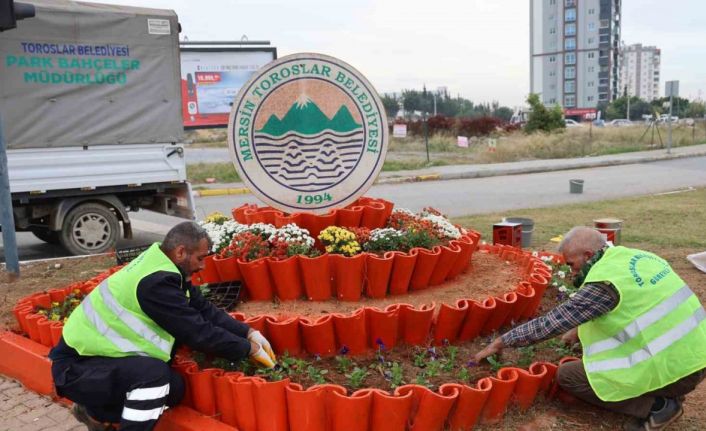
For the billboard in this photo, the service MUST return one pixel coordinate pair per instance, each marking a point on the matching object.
(212, 77)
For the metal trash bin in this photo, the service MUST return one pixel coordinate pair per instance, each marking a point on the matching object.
(576, 186)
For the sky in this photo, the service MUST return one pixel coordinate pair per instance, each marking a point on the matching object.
(478, 49)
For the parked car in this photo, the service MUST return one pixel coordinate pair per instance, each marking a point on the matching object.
(622, 122)
(664, 118)
(599, 123)
(571, 123)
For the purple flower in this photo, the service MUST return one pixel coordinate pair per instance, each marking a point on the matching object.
(380, 343)
(471, 364)
(344, 350)
(432, 352)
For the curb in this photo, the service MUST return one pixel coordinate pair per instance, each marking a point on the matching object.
(483, 173)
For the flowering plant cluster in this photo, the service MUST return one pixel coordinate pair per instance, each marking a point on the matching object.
(220, 231)
(251, 242)
(385, 239)
(429, 220)
(338, 240)
(561, 276)
(60, 311)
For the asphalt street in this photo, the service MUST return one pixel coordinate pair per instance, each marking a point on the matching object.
(454, 197)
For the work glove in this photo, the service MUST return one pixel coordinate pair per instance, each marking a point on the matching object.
(260, 355)
(258, 338)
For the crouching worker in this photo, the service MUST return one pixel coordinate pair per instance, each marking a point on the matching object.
(642, 330)
(113, 358)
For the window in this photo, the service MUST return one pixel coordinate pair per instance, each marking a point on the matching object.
(603, 53)
(570, 72)
(570, 100)
(570, 15)
(591, 40)
(552, 59)
(592, 11)
(590, 98)
(591, 55)
(590, 84)
(605, 23)
(552, 73)
(552, 2)
(570, 30)
(552, 100)
(570, 58)
(570, 3)
(591, 26)
(552, 30)
(591, 69)
(569, 86)
(570, 43)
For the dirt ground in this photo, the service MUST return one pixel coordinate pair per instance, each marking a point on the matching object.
(488, 276)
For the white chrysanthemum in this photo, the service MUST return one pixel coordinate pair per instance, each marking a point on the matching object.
(404, 211)
(388, 232)
(561, 274)
(291, 234)
(443, 226)
(563, 289)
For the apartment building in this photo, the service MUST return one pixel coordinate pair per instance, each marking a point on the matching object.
(639, 71)
(574, 47)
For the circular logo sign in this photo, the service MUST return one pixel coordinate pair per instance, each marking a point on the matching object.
(308, 133)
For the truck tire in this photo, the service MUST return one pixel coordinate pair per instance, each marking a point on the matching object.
(89, 228)
(46, 235)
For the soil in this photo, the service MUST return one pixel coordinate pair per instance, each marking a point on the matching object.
(488, 276)
(44, 275)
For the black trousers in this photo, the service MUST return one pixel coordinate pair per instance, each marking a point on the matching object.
(132, 391)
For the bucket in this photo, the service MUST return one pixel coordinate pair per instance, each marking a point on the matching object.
(576, 186)
(527, 228)
(610, 228)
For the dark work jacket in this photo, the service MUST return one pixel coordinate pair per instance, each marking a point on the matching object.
(192, 321)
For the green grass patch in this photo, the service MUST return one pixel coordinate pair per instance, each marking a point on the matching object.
(407, 165)
(222, 172)
(652, 222)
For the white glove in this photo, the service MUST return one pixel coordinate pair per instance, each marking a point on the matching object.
(261, 356)
(258, 338)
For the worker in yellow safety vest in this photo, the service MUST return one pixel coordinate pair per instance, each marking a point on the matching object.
(642, 330)
(113, 359)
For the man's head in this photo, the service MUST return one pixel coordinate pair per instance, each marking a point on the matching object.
(579, 245)
(187, 244)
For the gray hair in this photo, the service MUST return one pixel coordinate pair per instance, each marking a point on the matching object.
(188, 234)
(582, 238)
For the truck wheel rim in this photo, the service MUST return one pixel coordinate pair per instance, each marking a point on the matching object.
(91, 231)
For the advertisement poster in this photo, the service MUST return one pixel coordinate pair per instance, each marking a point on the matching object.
(212, 77)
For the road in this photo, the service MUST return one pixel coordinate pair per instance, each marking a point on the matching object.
(456, 197)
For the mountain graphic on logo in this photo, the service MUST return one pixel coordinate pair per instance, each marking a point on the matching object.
(306, 118)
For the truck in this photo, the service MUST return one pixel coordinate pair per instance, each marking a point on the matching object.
(90, 102)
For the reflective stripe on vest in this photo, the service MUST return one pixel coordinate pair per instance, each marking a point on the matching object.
(131, 321)
(641, 323)
(120, 342)
(653, 347)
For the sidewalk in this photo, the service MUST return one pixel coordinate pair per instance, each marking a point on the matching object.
(24, 410)
(454, 172)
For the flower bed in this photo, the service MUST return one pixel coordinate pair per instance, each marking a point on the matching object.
(273, 259)
(400, 367)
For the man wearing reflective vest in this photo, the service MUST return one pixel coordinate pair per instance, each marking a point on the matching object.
(114, 354)
(642, 330)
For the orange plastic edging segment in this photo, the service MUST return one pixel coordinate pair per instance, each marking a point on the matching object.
(26, 361)
(185, 419)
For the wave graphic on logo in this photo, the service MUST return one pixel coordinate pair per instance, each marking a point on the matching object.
(306, 151)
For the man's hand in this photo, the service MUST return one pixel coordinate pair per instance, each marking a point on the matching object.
(257, 337)
(571, 337)
(258, 354)
(493, 348)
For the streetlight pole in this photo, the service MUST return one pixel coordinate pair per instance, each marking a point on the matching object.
(7, 219)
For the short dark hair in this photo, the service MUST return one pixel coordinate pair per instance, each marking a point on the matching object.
(188, 234)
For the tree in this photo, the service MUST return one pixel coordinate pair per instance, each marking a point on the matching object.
(541, 118)
(618, 108)
(391, 104)
(696, 110)
(503, 112)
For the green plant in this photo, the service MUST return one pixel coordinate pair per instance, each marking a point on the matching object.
(343, 364)
(274, 374)
(541, 118)
(225, 364)
(559, 347)
(433, 368)
(396, 375)
(463, 374)
(450, 361)
(316, 375)
(422, 380)
(420, 358)
(356, 377)
(526, 356)
(495, 364)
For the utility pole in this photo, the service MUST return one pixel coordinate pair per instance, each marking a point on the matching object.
(672, 89)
